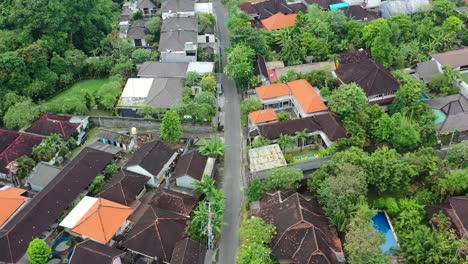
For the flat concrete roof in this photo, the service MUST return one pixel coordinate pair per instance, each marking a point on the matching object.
(265, 158)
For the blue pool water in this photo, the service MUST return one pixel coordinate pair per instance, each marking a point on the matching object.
(440, 116)
(382, 224)
(425, 97)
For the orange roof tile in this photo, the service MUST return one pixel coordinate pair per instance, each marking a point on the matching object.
(307, 96)
(279, 21)
(272, 91)
(102, 220)
(10, 201)
(263, 116)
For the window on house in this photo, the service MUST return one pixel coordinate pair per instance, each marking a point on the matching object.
(138, 43)
(146, 11)
(153, 11)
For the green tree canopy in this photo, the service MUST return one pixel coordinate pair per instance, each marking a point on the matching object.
(50, 147)
(171, 128)
(212, 148)
(283, 178)
(38, 251)
(208, 83)
(21, 115)
(255, 235)
(349, 101)
(96, 186)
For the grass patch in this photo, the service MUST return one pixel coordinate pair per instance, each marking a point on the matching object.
(465, 77)
(92, 135)
(79, 89)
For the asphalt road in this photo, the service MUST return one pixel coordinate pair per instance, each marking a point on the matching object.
(232, 180)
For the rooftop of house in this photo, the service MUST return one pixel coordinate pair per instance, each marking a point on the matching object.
(96, 218)
(187, 251)
(263, 116)
(93, 252)
(11, 199)
(115, 136)
(260, 66)
(124, 187)
(191, 164)
(456, 208)
(272, 91)
(266, 158)
(50, 124)
(303, 231)
(142, 4)
(455, 107)
(173, 201)
(21, 146)
(328, 123)
(137, 29)
(397, 7)
(43, 174)
(46, 207)
(426, 70)
(180, 23)
(159, 69)
(171, 41)
(152, 157)
(370, 75)
(279, 21)
(174, 6)
(454, 58)
(268, 8)
(358, 13)
(7, 137)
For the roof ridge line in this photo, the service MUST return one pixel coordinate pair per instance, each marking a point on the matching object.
(100, 220)
(95, 251)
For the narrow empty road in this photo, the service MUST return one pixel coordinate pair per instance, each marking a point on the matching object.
(232, 180)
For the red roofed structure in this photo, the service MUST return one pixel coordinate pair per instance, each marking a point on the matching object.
(50, 124)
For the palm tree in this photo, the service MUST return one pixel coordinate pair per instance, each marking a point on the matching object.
(206, 185)
(213, 148)
(284, 141)
(24, 167)
(302, 137)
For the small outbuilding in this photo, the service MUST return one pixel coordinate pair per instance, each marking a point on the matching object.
(191, 167)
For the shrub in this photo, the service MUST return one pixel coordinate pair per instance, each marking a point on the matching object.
(283, 116)
(283, 178)
(389, 204)
(38, 251)
(255, 190)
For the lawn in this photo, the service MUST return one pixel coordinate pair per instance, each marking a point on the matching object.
(465, 77)
(92, 135)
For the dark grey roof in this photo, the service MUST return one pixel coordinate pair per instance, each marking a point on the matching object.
(115, 136)
(42, 174)
(175, 6)
(98, 145)
(426, 70)
(93, 252)
(152, 156)
(456, 109)
(124, 187)
(180, 23)
(157, 69)
(192, 164)
(166, 92)
(188, 251)
(145, 4)
(175, 40)
(137, 30)
(359, 13)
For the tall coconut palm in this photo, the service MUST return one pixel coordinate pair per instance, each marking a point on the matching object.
(302, 137)
(285, 141)
(212, 148)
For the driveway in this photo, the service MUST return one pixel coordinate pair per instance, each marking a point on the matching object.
(232, 180)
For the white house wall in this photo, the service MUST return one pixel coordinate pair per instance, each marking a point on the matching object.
(167, 15)
(177, 56)
(186, 182)
(201, 39)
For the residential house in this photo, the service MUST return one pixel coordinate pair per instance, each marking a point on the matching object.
(179, 38)
(458, 59)
(188, 251)
(303, 232)
(114, 138)
(298, 95)
(147, 7)
(325, 4)
(157, 92)
(92, 252)
(152, 159)
(191, 167)
(136, 33)
(12, 199)
(262, 117)
(97, 219)
(425, 70)
(44, 209)
(159, 225)
(42, 174)
(125, 188)
(177, 8)
(278, 21)
(399, 7)
(366, 4)
(377, 81)
(159, 69)
(327, 126)
(456, 209)
(359, 13)
(64, 125)
(265, 9)
(12, 146)
(452, 113)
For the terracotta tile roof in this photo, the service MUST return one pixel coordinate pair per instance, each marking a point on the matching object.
(102, 220)
(10, 201)
(92, 252)
(21, 146)
(192, 164)
(50, 124)
(124, 187)
(263, 116)
(188, 251)
(307, 96)
(272, 91)
(279, 21)
(456, 208)
(46, 207)
(303, 232)
(6, 138)
(454, 58)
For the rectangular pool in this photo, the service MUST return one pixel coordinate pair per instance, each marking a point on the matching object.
(383, 225)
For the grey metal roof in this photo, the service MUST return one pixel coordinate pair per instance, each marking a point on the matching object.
(175, 40)
(157, 69)
(145, 4)
(115, 136)
(105, 147)
(137, 30)
(175, 6)
(396, 7)
(180, 23)
(42, 174)
(456, 109)
(426, 70)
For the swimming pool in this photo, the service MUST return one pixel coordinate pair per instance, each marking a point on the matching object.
(440, 116)
(383, 225)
